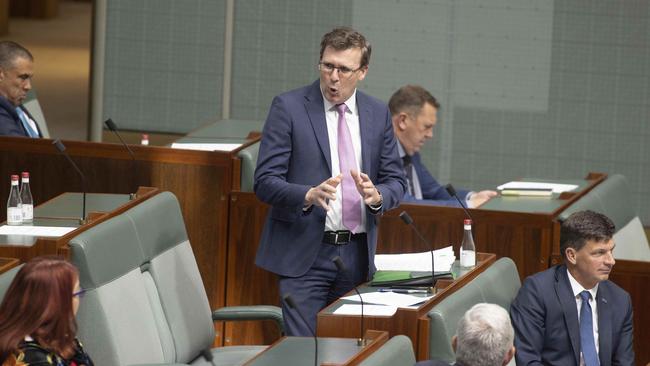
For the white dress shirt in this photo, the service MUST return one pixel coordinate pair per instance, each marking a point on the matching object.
(334, 220)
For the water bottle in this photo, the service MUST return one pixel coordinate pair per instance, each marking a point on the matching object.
(14, 206)
(26, 199)
(467, 248)
(145, 139)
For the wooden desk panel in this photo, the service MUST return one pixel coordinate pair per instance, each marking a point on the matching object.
(7, 264)
(404, 321)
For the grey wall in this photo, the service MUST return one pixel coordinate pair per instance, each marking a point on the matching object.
(535, 88)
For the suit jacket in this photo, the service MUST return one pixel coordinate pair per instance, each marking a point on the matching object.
(545, 317)
(294, 156)
(10, 124)
(432, 192)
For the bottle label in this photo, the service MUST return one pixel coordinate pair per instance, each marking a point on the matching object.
(28, 212)
(467, 258)
(14, 215)
(467, 227)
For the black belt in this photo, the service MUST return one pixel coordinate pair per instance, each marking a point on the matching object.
(340, 237)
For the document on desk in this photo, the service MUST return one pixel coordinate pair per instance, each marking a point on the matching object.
(205, 146)
(556, 187)
(377, 310)
(25, 230)
(416, 262)
(388, 298)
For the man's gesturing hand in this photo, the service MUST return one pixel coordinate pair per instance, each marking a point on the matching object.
(323, 193)
(366, 188)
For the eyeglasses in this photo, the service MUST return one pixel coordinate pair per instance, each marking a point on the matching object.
(79, 293)
(343, 71)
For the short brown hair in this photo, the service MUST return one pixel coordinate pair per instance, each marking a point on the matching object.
(10, 51)
(344, 38)
(582, 226)
(411, 99)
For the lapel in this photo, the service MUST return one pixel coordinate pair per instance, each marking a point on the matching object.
(365, 128)
(316, 112)
(569, 309)
(604, 325)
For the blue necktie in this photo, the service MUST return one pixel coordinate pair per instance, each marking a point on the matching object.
(28, 127)
(587, 343)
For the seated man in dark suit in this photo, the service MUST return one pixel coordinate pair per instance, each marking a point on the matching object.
(16, 72)
(571, 314)
(414, 112)
(483, 338)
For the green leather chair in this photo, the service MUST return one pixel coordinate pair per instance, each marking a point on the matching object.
(397, 351)
(612, 197)
(5, 280)
(248, 158)
(146, 303)
(498, 284)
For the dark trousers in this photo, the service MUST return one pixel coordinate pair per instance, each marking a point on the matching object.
(323, 284)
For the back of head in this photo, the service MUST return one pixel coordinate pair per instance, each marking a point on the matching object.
(484, 336)
(344, 38)
(38, 303)
(410, 99)
(10, 51)
(582, 226)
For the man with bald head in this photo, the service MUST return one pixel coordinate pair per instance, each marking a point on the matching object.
(16, 72)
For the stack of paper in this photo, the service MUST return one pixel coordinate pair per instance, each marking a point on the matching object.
(205, 146)
(536, 187)
(416, 262)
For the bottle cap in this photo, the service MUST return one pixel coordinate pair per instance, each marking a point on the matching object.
(25, 174)
(14, 177)
(467, 222)
(145, 136)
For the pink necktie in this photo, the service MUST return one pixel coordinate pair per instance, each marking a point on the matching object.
(351, 201)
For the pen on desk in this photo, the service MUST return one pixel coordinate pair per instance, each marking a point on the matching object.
(403, 291)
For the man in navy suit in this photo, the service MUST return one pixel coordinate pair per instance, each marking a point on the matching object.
(16, 72)
(415, 113)
(328, 166)
(571, 314)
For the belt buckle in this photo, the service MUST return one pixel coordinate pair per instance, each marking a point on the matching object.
(345, 236)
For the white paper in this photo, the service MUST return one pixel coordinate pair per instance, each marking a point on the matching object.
(388, 298)
(377, 310)
(556, 187)
(205, 146)
(416, 262)
(53, 231)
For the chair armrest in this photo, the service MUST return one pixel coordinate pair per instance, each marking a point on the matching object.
(252, 312)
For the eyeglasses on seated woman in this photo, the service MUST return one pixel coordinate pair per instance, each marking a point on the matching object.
(37, 316)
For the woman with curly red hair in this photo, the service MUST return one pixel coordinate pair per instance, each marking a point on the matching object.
(37, 316)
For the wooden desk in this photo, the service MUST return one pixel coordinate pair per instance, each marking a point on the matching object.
(7, 264)
(65, 211)
(201, 180)
(404, 321)
(299, 351)
(525, 229)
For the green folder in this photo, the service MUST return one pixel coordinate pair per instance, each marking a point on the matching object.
(405, 278)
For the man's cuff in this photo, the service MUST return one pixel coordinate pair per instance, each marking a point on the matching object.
(468, 199)
(376, 208)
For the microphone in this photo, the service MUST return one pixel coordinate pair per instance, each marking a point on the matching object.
(292, 305)
(59, 146)
(452, 192)
(113, 127)
(207, 354)
(409, 221)
(341, 267)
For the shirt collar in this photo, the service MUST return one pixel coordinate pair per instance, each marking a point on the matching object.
(577, 287)
(351, 103)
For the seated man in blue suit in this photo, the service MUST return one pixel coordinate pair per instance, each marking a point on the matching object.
(16, 72)
(483, 338)
(571, 314)
(328, 166)
(414, 113)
